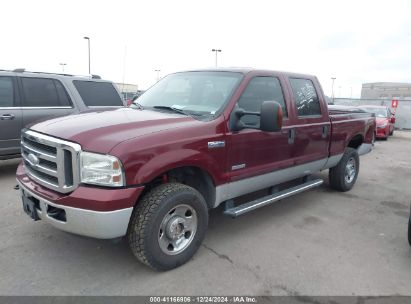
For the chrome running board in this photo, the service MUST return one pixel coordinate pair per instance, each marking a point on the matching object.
(266, 200)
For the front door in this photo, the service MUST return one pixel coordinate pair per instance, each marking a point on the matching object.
(254, 155)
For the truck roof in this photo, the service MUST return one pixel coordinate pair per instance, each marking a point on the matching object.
(246, 70)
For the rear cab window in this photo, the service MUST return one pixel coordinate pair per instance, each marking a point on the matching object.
(98, 94)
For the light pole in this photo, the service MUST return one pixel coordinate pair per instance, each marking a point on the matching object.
(89, 64)
(62, 66)
(332, 88)
(158, 74)
(216, 52)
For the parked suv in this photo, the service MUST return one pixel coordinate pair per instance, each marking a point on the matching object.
(28, 97)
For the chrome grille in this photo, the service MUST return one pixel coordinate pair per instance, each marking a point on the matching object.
(50, 161)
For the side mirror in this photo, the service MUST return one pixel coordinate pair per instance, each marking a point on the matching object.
(393, 119)
(271, 116)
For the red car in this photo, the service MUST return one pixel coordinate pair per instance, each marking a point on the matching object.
(384, 118)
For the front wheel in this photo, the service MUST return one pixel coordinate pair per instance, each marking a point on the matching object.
(168, 226)
(343, 176)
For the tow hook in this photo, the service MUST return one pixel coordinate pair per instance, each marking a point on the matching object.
(16, 187)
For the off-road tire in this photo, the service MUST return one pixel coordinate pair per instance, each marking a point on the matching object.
(143, 230)
(337, 174)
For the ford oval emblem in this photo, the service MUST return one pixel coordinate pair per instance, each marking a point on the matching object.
(33, 159)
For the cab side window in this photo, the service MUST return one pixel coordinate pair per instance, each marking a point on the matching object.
(43, 92)
(305, 97)
(258, 90)
(6, 92)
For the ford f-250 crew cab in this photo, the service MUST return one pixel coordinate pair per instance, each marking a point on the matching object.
(193, 141)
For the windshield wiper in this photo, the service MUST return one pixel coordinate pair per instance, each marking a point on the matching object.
(191, 113)
(180, 111)
(137, 105)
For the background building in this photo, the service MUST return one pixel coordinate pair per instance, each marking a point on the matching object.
(386, 90)
(127, 90)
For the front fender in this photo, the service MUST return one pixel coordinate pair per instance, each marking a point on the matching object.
(169, 160)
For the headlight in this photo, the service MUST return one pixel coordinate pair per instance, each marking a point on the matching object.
(103, 170)
(382, 126)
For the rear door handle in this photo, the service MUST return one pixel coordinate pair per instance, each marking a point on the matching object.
(325, 131)
(291, 136)
(7, 117)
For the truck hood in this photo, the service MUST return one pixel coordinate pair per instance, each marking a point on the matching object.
(101, 131)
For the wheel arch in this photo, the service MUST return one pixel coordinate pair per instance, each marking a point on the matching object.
(190, 175)
(355, 141)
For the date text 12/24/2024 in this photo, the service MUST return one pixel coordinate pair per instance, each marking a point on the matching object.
(203, 299)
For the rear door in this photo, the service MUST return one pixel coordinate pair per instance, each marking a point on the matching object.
(10, 117)
(311, 126)
(43, 98)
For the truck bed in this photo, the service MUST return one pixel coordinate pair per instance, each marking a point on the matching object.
(346, 121)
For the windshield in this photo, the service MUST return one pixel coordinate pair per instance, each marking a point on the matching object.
(202, 93)
(379, 112)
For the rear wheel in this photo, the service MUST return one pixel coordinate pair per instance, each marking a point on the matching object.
(343, 176)
(168, 226)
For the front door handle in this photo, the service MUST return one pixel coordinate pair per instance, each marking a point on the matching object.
(7, 117)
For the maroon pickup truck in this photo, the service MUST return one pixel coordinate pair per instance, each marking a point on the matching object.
(193, 141)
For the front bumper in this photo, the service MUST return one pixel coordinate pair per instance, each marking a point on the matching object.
(104, 217)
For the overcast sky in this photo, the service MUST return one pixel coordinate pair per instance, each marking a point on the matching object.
(355, 41)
